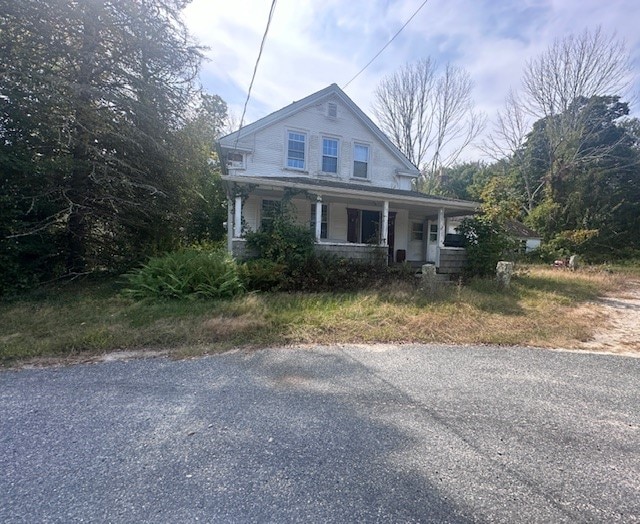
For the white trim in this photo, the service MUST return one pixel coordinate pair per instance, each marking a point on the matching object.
(331, 91)
(457, 205)
(305, 134)
(324, 137)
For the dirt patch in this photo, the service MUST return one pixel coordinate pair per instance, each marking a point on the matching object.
(620, 329)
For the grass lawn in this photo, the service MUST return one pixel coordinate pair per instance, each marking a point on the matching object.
(543, 307)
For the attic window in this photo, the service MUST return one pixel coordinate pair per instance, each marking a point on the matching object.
(235, 160)
(332, 110)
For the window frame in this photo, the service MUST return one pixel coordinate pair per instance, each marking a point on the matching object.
(270, 202)
(323, 155)
(305, 146)
(415, 231)
(235, 164)
(356, 145)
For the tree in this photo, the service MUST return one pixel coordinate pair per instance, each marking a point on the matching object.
(578, 67)
(205, 201)
(592, 179)
(429, 116)
(93, 92)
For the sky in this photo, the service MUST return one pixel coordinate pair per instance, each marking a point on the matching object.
(314, 43)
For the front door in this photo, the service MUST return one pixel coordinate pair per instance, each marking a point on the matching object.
(432, 241)
(370, 227)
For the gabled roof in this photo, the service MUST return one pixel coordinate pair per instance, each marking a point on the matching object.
(518, 229)
(229, 140)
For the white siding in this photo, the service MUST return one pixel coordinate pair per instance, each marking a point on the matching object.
(269, 148)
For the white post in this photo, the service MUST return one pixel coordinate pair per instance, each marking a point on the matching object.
(237, 223)
(442, 229)
(318, 218)
(384, 227)
(230, 225)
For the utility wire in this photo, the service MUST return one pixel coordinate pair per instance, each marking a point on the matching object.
(255, 69)
(387, 44)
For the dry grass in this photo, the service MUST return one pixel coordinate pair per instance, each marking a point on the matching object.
(543, 307)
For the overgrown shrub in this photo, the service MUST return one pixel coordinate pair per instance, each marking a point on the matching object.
(187, 273)
(262, 274)
(331, 273)
(281, 240)
(486, 242)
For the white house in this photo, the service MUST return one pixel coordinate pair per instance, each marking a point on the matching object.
(349, 183)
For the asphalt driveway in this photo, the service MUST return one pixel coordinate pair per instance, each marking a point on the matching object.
(348, 434)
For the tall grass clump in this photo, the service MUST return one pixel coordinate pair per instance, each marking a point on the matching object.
(188, 273)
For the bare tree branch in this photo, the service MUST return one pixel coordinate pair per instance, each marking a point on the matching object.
(430, 117)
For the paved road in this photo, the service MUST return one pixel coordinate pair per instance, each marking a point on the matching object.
(351, 434)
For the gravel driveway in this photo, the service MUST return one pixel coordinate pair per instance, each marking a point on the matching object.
(339, 434)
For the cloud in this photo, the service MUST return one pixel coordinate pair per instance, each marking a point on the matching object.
(313, 44)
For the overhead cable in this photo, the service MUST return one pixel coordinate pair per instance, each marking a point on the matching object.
(387, 44)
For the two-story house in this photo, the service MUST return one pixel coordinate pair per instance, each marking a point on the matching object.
(349, 183)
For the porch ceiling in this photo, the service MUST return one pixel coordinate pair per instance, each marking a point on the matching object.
(373, 196)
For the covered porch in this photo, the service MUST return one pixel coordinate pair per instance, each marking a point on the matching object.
(352, 220)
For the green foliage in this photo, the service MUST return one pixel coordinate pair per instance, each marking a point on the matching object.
(486, 243)
(282, 240)
(95, 96)
(187, 273)
(262, 274)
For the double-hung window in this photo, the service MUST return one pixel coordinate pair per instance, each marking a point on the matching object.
(416, 231)
(360, 161)
(296, 149)
(329, 155)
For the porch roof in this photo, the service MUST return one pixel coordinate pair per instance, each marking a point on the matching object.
(336, 188)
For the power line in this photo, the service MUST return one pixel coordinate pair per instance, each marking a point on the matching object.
(255, 68)
(387, 44)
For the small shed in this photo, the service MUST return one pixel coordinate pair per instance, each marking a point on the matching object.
(528, 238)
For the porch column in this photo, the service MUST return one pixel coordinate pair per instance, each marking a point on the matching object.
(384, 227)
(230, 225)
(442, 229)
(318, 218)
(237, 223)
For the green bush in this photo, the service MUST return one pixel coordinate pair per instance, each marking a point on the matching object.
(486, 242)
(187, 273)
(262, 274)
(282, 240)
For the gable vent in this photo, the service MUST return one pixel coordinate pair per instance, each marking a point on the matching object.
(332, 110)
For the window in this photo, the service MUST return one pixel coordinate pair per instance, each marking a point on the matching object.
(296, 150)
(235, 160)
(360, 161)
(324, 222)
(332, 110)
(416, 231)
(269, 209)
(329, 155)
(433, 232)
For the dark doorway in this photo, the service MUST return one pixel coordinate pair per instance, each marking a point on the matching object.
(370, 227)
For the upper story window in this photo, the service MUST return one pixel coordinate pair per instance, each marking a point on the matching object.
(235, 160)
(329, 155)
(296, 149)
(360, 161)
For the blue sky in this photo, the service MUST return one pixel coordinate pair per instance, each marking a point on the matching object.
(313, 43)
